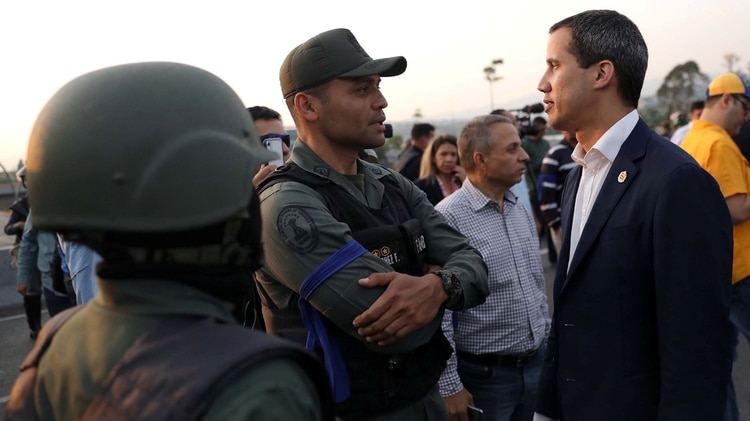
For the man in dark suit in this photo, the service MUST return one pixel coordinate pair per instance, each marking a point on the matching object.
(641, 298)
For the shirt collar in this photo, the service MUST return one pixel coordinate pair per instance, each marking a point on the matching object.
(478, 200)
(160, 297)
(611, 141)
(707, 125)
(308, 160)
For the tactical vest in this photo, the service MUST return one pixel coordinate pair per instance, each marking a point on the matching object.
(165, 374)
(378, 382)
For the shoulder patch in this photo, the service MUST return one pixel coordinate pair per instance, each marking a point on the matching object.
(298, 229)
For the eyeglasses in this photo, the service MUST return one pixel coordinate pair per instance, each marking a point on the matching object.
(745, 104)
(284, 138)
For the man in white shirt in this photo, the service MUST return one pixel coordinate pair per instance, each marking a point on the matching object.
(696, 109)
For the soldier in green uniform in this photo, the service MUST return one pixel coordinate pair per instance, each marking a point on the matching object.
(369, 260)
(150, 165)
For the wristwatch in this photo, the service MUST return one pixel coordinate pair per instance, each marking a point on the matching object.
(452, 287)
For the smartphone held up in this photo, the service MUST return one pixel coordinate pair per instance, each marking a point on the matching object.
(274, 144)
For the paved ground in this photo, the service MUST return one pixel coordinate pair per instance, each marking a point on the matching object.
(15, 343)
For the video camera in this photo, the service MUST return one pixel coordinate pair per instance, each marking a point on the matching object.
(523, 115)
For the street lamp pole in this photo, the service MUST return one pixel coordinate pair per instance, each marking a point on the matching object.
(490, 73)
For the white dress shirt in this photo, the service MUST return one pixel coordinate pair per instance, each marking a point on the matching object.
(596, 164)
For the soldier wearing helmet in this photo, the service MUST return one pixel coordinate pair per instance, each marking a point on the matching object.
(149, 164)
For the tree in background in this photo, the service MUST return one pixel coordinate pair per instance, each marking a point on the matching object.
(652, 115)
(682, 85)
(730, 59)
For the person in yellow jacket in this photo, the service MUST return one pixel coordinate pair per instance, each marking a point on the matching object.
(710, 142)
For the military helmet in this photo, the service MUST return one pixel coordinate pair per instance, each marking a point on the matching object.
(142, 148)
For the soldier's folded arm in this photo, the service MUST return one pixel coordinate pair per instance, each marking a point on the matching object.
(291, 259)
(460, 280)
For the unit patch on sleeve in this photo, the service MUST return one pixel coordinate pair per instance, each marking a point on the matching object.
(298, 229)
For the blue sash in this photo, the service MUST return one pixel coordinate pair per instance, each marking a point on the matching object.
(317, 335)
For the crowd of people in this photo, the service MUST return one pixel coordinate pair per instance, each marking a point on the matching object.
(334, 287)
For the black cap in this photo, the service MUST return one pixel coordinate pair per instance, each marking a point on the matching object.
(330, 55)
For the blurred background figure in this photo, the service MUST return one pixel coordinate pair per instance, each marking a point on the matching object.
(696, 108)
(556, 165)
(663, 130)
(536, 146)
(19, 212)
(409, 161)
(440, 173)
(80, 262)
(269, 125)
(743, 140)
(35, 259)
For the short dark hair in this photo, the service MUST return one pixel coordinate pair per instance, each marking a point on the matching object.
(260, 112)
(539, 120)
(607, 35)
(712, 100)
(697, 105)
(421, 130)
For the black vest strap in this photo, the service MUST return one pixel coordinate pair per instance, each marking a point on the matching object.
(389, 232)
(378, 382)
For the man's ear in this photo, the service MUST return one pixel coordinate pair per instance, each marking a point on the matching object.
(478, 159)
(726, 101)
(605, 74)
(306, 106)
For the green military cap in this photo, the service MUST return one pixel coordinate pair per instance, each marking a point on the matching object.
(330, 55)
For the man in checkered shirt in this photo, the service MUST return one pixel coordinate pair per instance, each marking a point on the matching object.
(499, 344)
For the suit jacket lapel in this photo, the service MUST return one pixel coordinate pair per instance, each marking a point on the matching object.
(570, 191)
(621, 175)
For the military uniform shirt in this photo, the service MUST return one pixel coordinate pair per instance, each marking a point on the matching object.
(300, 233)
(93, 341)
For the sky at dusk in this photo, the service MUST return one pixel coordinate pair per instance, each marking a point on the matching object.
(447, 45)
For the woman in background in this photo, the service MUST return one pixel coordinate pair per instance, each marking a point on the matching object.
(440, 173)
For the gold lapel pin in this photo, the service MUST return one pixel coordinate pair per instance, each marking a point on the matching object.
(621, 178)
